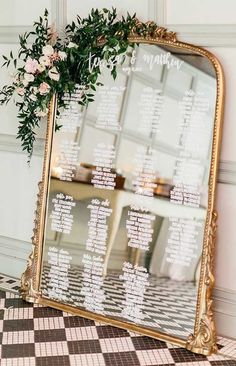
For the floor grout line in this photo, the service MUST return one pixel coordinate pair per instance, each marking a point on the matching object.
(60, 335)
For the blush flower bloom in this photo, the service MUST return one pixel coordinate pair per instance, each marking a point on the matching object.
(31, 65)
(44, 61)
(54, 57)
(44, 88)
(29, 77)
(48, 50)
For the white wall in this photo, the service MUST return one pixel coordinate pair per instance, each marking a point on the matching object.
(209, 23)
(19, 182)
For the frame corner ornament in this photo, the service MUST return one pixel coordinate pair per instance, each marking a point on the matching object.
(150, 30)
(203, 340)
(28, 279)
(27, 289)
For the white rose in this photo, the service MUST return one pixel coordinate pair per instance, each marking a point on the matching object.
(72, 45)
(33, 97)
(54, 74)
(29, 77)
(44, 61)
(62, 55)
(48, 50)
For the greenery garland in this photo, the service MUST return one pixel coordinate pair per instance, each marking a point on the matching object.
(49, 66)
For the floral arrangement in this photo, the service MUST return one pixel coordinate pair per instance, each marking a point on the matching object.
(46, 65)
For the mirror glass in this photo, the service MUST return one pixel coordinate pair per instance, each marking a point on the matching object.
(128, 191)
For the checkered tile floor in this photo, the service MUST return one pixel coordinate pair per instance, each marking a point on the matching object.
(169, 305)
(31, 335)
(9, 283)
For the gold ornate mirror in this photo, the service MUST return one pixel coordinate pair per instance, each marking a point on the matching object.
(125, 224)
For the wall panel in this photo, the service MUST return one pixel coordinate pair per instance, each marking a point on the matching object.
(200, 12)
(227, 57)
(226, 239)
(9, 122)
(211, 23)
(22, 12)
(19, 191)
(83, 8)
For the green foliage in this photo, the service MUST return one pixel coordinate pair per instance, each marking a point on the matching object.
(100, 36)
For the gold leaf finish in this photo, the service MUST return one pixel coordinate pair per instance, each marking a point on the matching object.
(204, 339)
(151, 30)
(30, 279)
(27, 290)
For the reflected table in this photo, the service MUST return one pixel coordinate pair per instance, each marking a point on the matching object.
(120, 198)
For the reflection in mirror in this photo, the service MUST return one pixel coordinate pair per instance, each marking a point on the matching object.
(128, 192)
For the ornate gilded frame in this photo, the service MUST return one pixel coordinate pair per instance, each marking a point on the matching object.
(203, 340)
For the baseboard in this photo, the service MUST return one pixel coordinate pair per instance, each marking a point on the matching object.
(13, 256)
(225, 312)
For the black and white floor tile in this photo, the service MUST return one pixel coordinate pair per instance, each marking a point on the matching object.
(9, 283)
(169, 305)
(31, 335)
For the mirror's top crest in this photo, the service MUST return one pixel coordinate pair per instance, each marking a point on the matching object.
(151, 30)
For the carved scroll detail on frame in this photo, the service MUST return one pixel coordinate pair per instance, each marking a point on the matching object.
(153, 31)
(30, 280)
(204, 341)
(27, 290)
(147, 31)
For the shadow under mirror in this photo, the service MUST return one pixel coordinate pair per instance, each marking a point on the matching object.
(128, 191)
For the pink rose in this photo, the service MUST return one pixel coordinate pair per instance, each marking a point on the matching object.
(54, 57)
(44, 88)
(31, 65)
(48, 50)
